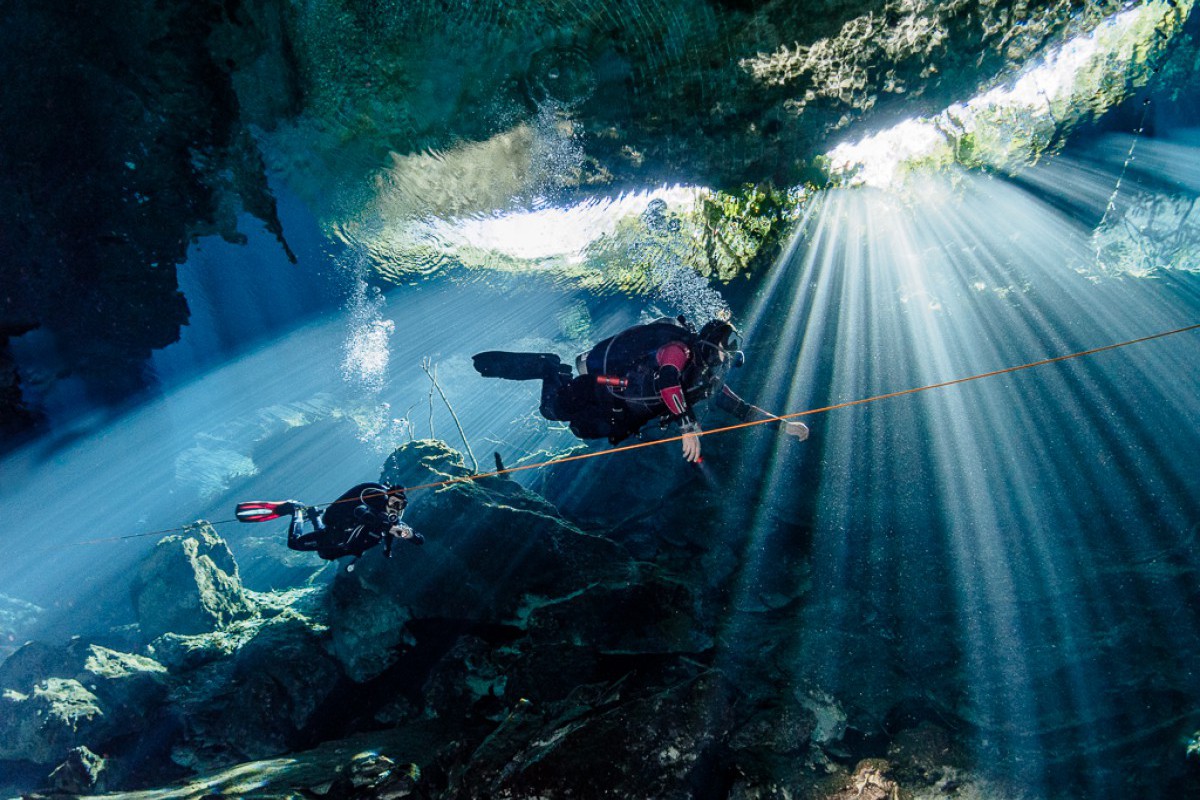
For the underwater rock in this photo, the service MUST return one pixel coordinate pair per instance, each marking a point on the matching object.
(182, 652)
(781, 728)
(255, 702)
(58, 714)
(368, 624)
(189, 584)
(548, 672)
(128, 685)
(571, 97)
(82, 771)
(669, 510)
(661, 744)
(469, 678)
(86, 682)
(370, 766)
(871, 780)
(122, 141)
(134, 129)
(488, 545)
(927, 755)
(647, 615)
(35, 661)
(15, 417)
(491, 547)
(423, 461)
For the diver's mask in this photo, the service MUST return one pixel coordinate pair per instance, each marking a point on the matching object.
(395, 507)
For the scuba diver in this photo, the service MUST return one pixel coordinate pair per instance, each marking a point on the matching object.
(363, 517)
(657, 370)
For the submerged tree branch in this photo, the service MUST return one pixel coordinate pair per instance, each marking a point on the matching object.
(430, 370)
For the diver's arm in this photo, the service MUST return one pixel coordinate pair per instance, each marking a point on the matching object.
(671, 358)
(729, 402)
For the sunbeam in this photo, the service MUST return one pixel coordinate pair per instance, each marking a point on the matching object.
(954, 540)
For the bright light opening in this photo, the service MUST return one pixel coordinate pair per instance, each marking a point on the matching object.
(880, 160)
(553, 233)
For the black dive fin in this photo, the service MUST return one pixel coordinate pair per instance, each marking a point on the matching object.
(262, 510)
(516, 366)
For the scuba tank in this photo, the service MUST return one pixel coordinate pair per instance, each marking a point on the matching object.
(619, 356)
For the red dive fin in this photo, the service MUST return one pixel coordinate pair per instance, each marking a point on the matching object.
(262, 510)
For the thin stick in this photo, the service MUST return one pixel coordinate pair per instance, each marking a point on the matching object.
(425, 366)
(432, 373)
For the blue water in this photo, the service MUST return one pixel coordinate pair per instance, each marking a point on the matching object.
(1033, 534)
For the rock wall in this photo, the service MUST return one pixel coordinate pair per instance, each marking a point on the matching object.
(121, 142)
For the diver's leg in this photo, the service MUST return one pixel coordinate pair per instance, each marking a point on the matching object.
(317, 517)
(562, 395)
(515, 366)
(302, 541)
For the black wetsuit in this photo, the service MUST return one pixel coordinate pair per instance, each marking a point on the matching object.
(645, 364)
(351, 525)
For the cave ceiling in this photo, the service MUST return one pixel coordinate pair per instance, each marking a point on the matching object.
(133, 129)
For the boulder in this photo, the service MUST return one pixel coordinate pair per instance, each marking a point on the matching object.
(658, 744)
(190, 584)
(471, 678)
(91, 691)
(257, 701)
(60, 713)
(370, 624)
(129, 685)
(35, 661)
(778, 728)
(82, 772)
(492, 550)
(649, 615)
(489, 544)
(181, 652)
(927, 755)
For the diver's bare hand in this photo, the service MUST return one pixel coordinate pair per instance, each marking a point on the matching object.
(691, 447)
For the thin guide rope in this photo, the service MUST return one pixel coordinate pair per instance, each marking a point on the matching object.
(639, 445)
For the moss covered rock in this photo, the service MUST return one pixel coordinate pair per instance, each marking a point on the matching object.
(190, 584)
(58, 714)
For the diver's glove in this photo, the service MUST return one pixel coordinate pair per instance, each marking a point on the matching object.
(691, 440)
(403, 531)
(797, 429)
